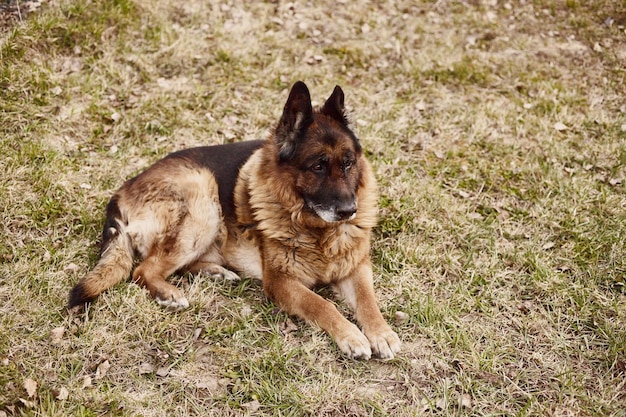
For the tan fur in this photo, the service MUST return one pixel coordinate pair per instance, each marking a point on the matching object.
(115, 262)
(298, 257)
(171, 216)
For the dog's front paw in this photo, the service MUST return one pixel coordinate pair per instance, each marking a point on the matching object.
(354, 343)
(173, 302)
(384, 341)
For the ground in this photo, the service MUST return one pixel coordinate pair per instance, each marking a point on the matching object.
(497, 132)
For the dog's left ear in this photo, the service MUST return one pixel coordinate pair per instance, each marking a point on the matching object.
(334, 106)
(297, 116)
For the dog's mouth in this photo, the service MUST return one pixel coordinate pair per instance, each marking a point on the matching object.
(344, 211)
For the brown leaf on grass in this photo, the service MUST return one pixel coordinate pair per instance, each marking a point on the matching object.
(288, 326)
(401, 317)
(463, 194)
(441, 404)
(102, 369)
(560, 126)
(163, 371)
(466, 401)
(62, 394)
(86, 382)
(210, 383)
(30, 386)
(56, 335)
(197, 333)
(146, 368)
(252, 406)
(71, 267)
(491, 378)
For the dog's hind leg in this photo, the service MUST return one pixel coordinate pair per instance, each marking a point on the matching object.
(151, 273)
(214, 269)
(192, 239)
(188, 246)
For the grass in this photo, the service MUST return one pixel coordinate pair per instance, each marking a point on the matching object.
(496, 130)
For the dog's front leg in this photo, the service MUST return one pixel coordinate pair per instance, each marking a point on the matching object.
(295, 298)
(358, 291)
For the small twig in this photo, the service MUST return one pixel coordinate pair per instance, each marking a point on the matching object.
(19, 13)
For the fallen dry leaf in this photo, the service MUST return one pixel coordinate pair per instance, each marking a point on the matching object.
(63, 394)
(56, 335)
(102, 369)
(86, 382)
(246, 311)
(146, 368)
(463, 194)
(288, 326)
(401, 317)
(163, 371)
(252, 406)
(441, 404)
(197, 333)
(209, 383)
(560, 126)
(30, 386)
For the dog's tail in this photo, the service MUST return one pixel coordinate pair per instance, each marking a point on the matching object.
(115, 263)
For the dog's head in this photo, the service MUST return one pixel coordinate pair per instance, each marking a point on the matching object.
(321, 153)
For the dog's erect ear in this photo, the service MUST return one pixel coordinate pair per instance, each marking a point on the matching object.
(334, 106)
(297, 116)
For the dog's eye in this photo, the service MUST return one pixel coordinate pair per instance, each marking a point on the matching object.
(347, 165)
(318, 168)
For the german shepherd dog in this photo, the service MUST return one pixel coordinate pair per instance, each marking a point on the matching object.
(295, 211)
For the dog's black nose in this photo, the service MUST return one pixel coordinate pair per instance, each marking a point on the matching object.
(346, 210)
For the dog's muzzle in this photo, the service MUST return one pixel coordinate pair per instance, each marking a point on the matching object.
(336, 213)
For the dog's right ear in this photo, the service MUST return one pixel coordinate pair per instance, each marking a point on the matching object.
(334, 106)
(297, 116)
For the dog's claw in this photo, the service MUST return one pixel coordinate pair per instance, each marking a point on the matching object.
(355, 345)
(385, 343)
(173, 305)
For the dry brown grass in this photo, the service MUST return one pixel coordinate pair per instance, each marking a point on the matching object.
(497, 133)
